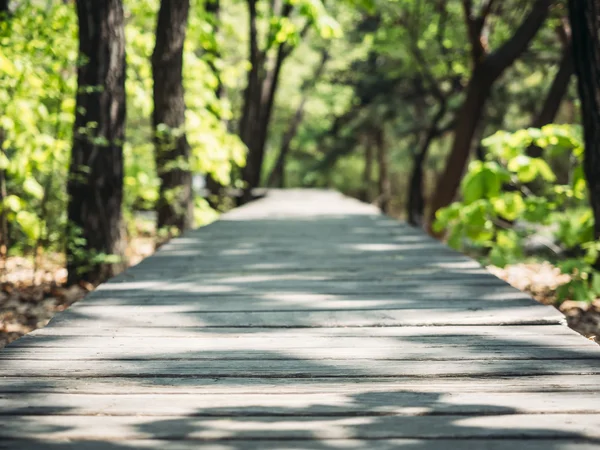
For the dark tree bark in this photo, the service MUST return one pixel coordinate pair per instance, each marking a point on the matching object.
(416, 198)
(277, 177)
(557, 91)
(4, 6)
(584, 16)
(213, 8)
(368, 171)
(175, 204)
(553, 100)
(259, 96)
(383, 181)
(488, 67)
(95, 185)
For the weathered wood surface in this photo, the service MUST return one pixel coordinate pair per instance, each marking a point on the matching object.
(304, 320)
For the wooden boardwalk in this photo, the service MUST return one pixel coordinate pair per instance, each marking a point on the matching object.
(304, 320)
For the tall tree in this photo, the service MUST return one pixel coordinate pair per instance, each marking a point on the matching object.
(95, 185)
(584, 16)
(172, 151)
(487, 67)
(277, 176)
(259, 96)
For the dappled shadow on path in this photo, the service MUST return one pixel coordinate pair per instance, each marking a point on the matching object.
(335, 331)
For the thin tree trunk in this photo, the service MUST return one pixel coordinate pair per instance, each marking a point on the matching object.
(175, 207)
(416, 198)
(584, 16)
(368, 171)
(469, 115)
(95, 185)
(557, 91)
(384, 185)
(554, 98)
(213, 8)
(277, 177)
(487, 69)
(259, 98)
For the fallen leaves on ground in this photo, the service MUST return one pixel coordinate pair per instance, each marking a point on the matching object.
(540, 280)
(30, 296)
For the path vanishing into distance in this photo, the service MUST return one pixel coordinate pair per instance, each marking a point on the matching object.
(304, 320)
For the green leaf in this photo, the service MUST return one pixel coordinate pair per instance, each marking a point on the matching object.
(29, 223)
(33, 188)
(509, 206)
(13, 203)
(544, 169)
(4, 162)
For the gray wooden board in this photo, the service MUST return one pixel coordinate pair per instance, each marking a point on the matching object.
(282, 342)
(526, 426)
(314, 385)
(528, 314)
(430, 353)
(304, 320)
(376, 403)
(503, 333)
(293, 368)
(308, 444)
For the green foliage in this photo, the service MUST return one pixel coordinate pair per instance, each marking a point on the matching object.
(38, 60)
(513, 195)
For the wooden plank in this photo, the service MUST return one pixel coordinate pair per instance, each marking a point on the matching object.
(273, 352)
(286, 301)
(312, 444)
(510, 426)
(315, 385)
(296, 368)
(504, 333)
(282, 342)
(523, 315)
(377, 403)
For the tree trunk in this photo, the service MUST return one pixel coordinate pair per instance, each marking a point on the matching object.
(553, 100)
(175, 207)
(557, 91)
(416, 198)
(368, 171)
(487, 69)
(214, 187)
(584, 16)
(259, 98)
(249, 126)
(4, 6)
(385, 187)
(478, 90)
(277, 177)
(95, 185)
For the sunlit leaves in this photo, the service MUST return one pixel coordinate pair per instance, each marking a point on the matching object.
(499, 209)
(38, 58)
